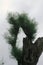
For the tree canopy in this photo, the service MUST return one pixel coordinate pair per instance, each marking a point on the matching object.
(29, 27)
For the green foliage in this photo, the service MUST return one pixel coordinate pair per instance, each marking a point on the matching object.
(29, 27)
(17, 53)
(22, 20)
(11, 40)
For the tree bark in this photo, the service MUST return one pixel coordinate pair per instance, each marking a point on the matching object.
(32, 52)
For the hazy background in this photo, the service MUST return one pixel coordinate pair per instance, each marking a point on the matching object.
(34, 8)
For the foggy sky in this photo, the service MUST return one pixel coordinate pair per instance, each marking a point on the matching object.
(34, 8)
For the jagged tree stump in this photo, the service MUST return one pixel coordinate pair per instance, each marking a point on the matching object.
(32, 52)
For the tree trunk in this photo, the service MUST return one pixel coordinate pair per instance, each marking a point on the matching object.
(31, 52)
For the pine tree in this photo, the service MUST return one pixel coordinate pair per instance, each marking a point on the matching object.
(29, 27)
